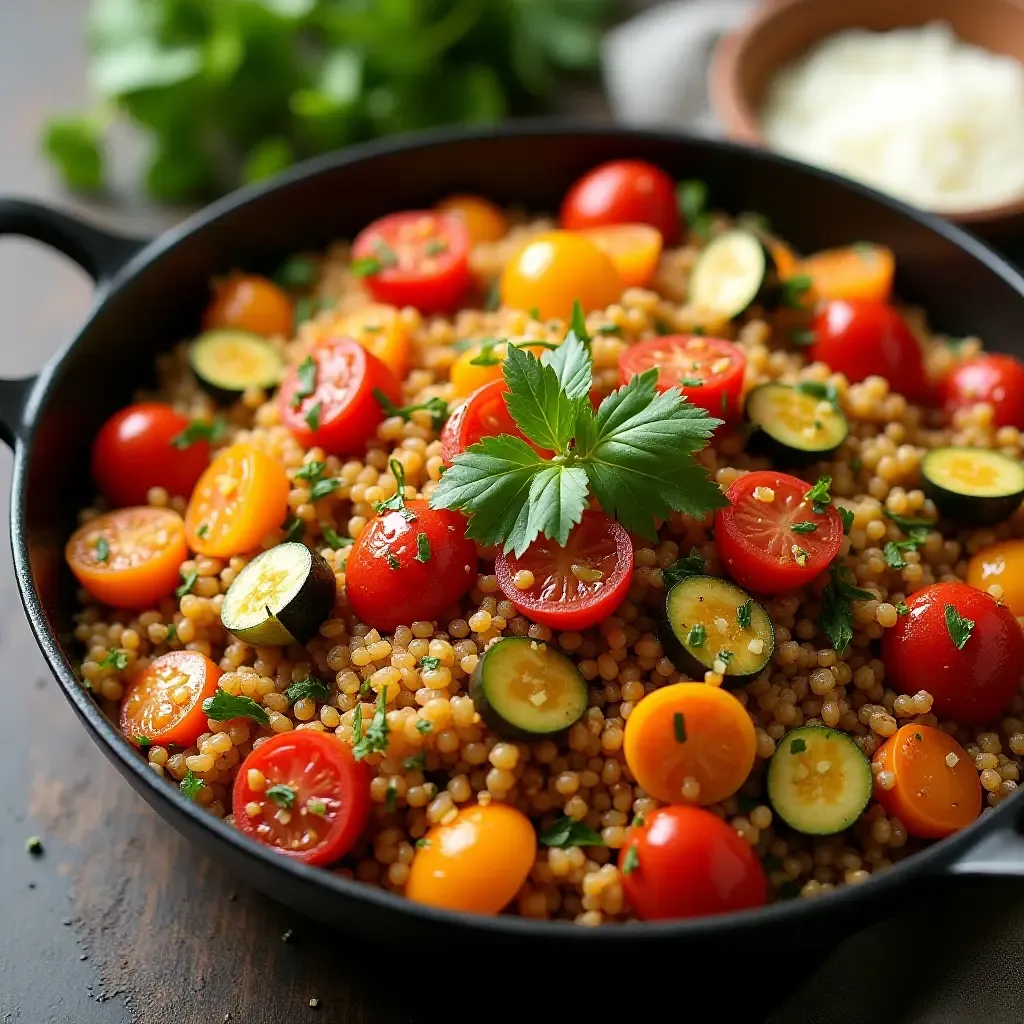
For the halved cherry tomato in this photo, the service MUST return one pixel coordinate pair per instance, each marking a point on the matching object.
(936, 789)
(554, 270)
(242, 497)
(417, 258)
(859, 271)
(1003, 564)
(392, 576)
(248, 302)
(690, 731)
(314, 797)
(575, 586)
(861, 338)
(378, 328)
(972, 682)
(484, 221)
(633, 248)
(685, 862)
(482, 363)
(755, 539)
(164, 703)
(708, 371)
(783, 256)
(129, 558)
(483, 414)
(340, 412)
(624, 192)
(133, 452)
(994, 378)
(477, 863)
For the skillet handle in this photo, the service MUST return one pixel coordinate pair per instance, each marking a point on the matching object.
(101, 254)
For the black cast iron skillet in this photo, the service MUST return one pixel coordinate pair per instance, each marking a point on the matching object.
(150, 295)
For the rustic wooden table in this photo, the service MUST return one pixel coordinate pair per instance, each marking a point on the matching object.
(120, 920)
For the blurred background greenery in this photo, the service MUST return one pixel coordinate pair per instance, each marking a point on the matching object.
(232, 91)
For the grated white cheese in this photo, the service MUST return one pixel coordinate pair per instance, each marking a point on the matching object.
(765, 494)
(756, 646)
(721, 625)
(719, 666)
(916, 112)
(952, 759)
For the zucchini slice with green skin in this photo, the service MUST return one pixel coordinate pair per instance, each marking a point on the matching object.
(227, 363)
(711, 624)
(794, 426)
(973, 485)
(281, 597)
(819, 780)
(729, 274)
(526, 688)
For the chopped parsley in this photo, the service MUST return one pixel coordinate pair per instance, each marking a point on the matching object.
(631, 861)
(310, 687)
(334, 539)
(202, 529)
(323, 488)
(375, 739)
(691, 382)
(396, 503)
(422, 843)
(679, 727)
(116, 659)
(296, 273)
(282, 795)
(836, 610)
(422, 548)
(172, 632)
(142, 742)
(191, 784)
(794, 290)
(306, 374)
(908, 523)
(797, 746)
(317, 807)
(692, 198)
(293, 528)
(312, 417)
(224, 706)
(818, 495)
(423, 726)
(486, 356)
(800, 555)
(959, 627)
(724, 656)
(903, 608)
(691, 565)
(744, 613)
(102, 550)
(638, 821)
(564, 831)
(609, 329)
(199, 430)
(805, 527)
(697, 636)
(391, 797)
(392, 559)
(435, 247)
(437, 407)
(417, 762)
(894, 549)
(186, 587)
(818, 389)
(429, 663)
(847, 515)
(802, 338)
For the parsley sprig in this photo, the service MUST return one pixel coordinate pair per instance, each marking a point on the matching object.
(681, 568)
(564, 831)
(396, 503)
(375, 739)
(437, 407)
(635, 455)
(959, 628)
(836, 610)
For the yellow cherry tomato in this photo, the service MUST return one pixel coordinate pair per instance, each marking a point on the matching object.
(379, 329)
(481, 218)
(477, 863)
(633, 248)
(556, 268)
(467, 376)
(1001, 563)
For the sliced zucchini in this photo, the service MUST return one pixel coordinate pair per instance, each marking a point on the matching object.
(729, 275)
(281, 597)
(819, 780)
(523, 688)
(712, 624)
(229, 362)
(973, 485)
(795, 425)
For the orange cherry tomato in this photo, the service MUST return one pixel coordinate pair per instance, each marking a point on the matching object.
(480, 364)
(477, 863)
(785, 258)
(690, 731)
(483, 221)
(1002, 564)
(248, 302)
(378, 328)
(854, 272)
(554, 270)
(936, 789)
(164, 704)
(633, 248)
(129, 558)
(242, 496)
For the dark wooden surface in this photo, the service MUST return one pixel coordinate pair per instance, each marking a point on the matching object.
(120, 920)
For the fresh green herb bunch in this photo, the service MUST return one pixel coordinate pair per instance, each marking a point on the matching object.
(236, 90)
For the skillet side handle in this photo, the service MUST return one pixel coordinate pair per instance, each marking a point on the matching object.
(999, 853)
(101, 254)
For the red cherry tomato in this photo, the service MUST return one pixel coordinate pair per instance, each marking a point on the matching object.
(972, 684)
(133, 452)
(392, 576)
(685, 862)
(314, 797)
(755, 539)
(994, 378)
(572, 587)
(861, 338)
(340, 414)
(483, 414)
(708, 371)
(624, 192)
(421, 259)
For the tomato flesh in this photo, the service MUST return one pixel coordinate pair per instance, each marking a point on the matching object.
(340, 414)
(755, 539)
(392, 577)
(576, 586)
(164, 704)
(322, 802)
(422, 260)
(248, 302)
(972, 685)
(686, 862)
(994, 378)
(708, 371)
(483, 414)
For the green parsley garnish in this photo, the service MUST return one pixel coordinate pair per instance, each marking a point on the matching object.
(191, 784)
(115, 659)
(102, 550)
(334, 539)
(312, 417)
(903, 608)
(691, 565)
(392, 559)
(306, 373)
(847, 515)
(282, 795)
(322, 488)
(396, 503)
(417, 762)
(422, 843)
(422, 548)
(894, 549)
(697, 636)
(429, 663)
(142, 742)
(802, 338)
(793, 291)
(375, 740)
(959, 627)
(691, 382)
(609, 329)
(908, 523)
(318, 807)
(391, 797)
(293, 528)
(817, 389)
(631, 861)
(310, 687)
(313, 473)
(818, 495)
(565, 831)
(296, 273)
(202, 529)
(486, 356)
(744, 614)
(804, 527)
(224, 706)
(172, 632)
(437, 407)
(800, 555)
(435, 247)
(638, 821)
(797, 746)
(836, 612)
(423, 726)
(679, 727)
(199, 430)
(724, 656)
(186, 587)
(692, 198)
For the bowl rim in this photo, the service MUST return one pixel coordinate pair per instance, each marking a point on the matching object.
(740, 121)
(173, 805)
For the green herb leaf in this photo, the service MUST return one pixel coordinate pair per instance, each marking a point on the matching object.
(392, 559)
(422, 548)
(369, 266)
(396, 503)
(697, 636)
(639, 821)
(375, 741)
(294, 527)
(681, 568)
(959, 627)
(311, 472)
(692, 197)
(894, 549)
(423, 843)
(744, 614)
(578, 324)
(805, 527)
(308, 687)
(296, 273)
(202, 529)
(74, 145)
(724, 656)
(609, 329)
(539, 398)
(142, 742)
(322, 488)
(199, 430)
(224, 706)
(282, 795)
(797, 746)
(116, 659)
(186, 587)
(847, 515)
(191, 784)
(564, 832)
(908, 523)
(416, 763)
(836, 612)
(172, 632)
(428, 663)
(391, 797)
(437, 407)
(492, 300)
(318, 807)
(631, 861)
(679, 726)
(903, 608)
(817, 389)
(306, 373)
(818, 495)
(102, 550)
(423, 726)
(803, 338)
(334, 539)
(486, 356)
(793, 291)
(312, 417)
(691, 382)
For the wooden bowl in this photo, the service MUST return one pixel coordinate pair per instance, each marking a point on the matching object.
(781, 30)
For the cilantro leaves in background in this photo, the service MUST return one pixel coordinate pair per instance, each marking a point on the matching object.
(237, 90)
